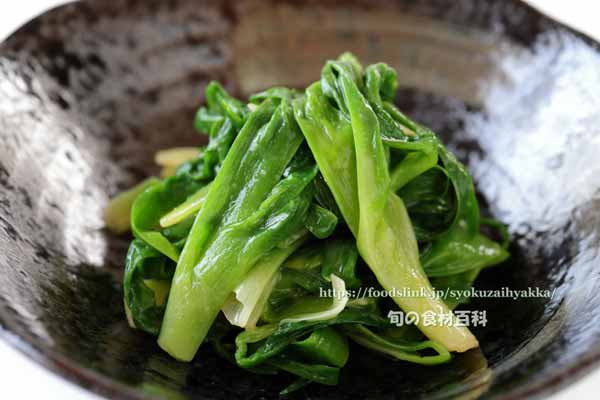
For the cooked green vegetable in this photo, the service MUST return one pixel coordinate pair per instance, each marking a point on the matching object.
(405, 350)
(324, 345)
(116, 213)
(147, 279)
(375, 214)
(301, 203)
(246, 303)
(249, 209)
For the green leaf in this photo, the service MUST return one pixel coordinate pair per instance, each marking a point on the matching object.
(376, 216)
(324, 345)
(185, 210)
(224, 233)
(430, 203)
(462, 247)
(246, 303)
(155, 202)
(340, 257)
(320, 221)
(147, 275)
(220, 106)
(279, 337)
(457, 252)
(276, 94)
(329, 134)
(405, 351)
(249, 210)
(177, 196)
(117, 214)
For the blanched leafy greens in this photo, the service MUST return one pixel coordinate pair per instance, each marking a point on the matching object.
(299, 201)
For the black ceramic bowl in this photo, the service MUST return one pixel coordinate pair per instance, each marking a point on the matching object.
(90, 90)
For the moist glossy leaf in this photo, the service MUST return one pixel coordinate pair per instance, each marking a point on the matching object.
(346, 67)
(374, 214)
(328, 132)
(456, 253)
(430, 203)
(276, 94)
(400, 350)
(206, 119)
(459, 283)
(162, 197)
(340, 257)
(381, 83)
(462, 247)
(179, 231)
(117, 214)
(419, 143)
(277, 338)
(320, 221)
(457, 286)
(156, 201)
(307, 257)
(332, 309)
(298, 292)
(305, 278)
(246, 303)
(144, 303)
(249, 210)
(239, 211)
(325, 198)
(186, 210)
(219, 104)
(325, 345)
(467, 212)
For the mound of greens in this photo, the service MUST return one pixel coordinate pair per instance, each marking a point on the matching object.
(331, 190)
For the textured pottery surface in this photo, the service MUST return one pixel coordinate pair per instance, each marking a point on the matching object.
(89, 91)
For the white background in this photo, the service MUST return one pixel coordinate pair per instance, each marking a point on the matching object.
(23, 379)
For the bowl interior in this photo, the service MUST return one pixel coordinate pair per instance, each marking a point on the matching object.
(89, 91)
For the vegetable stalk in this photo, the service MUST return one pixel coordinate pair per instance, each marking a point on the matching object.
(248, 211)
